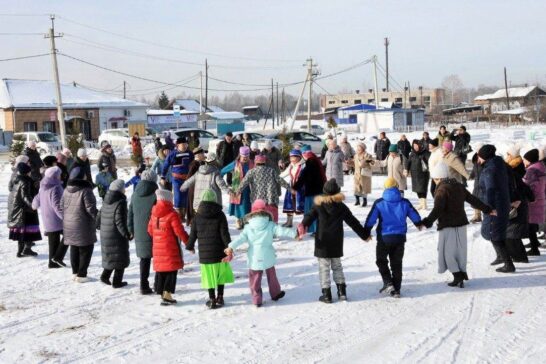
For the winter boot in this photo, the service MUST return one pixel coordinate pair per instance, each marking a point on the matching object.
(342, 292)
(357, 203)
(20, 248)
(59, 262)
(364, 202)
(119, 284)
(167, 299)
(533, 252)
(212, 304)
(326, 295)
(105, 278)
(508, 267)
(498, 260)
(289, 221)
(465, 276)
(279, 296)
(387, 288)
(146, 291)
(458, 280)
(28, 252)
(395, 294)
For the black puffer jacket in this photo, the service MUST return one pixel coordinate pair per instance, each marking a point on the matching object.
(404, 147)
(20, 211)
(419, 175)
(78, 163)
(381, 149)
(331, 212)
(495, 191)
(107, 161)
(35, 163)
(114, 234)
(475, 175)
(210, 227)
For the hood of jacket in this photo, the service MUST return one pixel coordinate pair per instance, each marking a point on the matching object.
(113, 197)
(48, 182)
(145, 188)
(75, 185)
(392, 195)
(209, 209)
(258, 221)
(330, 203)
(162, 208)
(207, 169)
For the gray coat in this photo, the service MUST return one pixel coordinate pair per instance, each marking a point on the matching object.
(140, 209)
(207, 177)
(333, 161)
(80, 210)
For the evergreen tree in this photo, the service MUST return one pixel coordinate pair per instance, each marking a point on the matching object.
(163, 100)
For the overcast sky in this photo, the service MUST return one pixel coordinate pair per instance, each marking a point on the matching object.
(271, 39)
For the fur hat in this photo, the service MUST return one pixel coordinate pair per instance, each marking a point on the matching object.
(23, 168)
(447, 145)
(82, 153)
(531, 156)
(164, 195)
(390, 183)
(21, 159)
(254, 145)
(148, 175)
(513, 150)
(208, 196)
(244, 151)
(49, 161)
(260, 159)
(53, 172)
(331, 187)
(258, 205)
(211, 157)
(182, 140)
(440, 171)
(487, 152)
(117, 185)
(393, 148)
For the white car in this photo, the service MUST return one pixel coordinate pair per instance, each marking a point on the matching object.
(46, 142)
(315, 129)
(253, 136)
(300, 137)
(204, 136)
(115, 137)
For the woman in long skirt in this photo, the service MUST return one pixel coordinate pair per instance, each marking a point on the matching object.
(239, 205)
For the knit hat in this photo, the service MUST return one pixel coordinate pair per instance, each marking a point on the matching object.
(49, 161)
(61, 158)
(53, 172)
(82, 153)
(67, 152)
(331, 187)
(198, 150)
(244, 151)
(462, 127)
(208, 196)
(164, 195)
(229, 134)
(390, 183)
(513, 150)
(393, 148)
(260, 159)
(181, 140)
(487, 151)
(76, 173)
(23, 168)
(268, 144)
(531, 156)
(21, 159)
(254, 145)
(295, 153)
(258, 205)
(148, 175)
(305, 148)
(361, 145)
(211, 157)
(117, 185)
(447, 145)
(440, 171)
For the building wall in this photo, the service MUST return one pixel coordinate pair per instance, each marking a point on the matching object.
(428, 97)
(138, 115)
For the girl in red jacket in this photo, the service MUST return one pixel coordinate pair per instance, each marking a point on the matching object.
(164, 227)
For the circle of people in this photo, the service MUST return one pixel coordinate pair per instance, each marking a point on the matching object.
(185, 186)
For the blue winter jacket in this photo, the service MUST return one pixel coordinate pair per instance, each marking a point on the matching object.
(392, 211)
(494, 191)
(132, 182)
(179, 161)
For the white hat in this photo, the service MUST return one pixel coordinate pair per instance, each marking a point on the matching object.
(117, 185)
(31, 144)
(440, 171)
(82, 153)
(268, 144)
(21, 159)
(513, 150)
(211, 157)
(254, 145)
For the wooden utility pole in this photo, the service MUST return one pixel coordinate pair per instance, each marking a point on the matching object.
(272, 105)
(124, 90)
(283, 106)
(206, 85)
(201, 93)
(60, 112)
(387, 63)
(506, 89)
(277, 106)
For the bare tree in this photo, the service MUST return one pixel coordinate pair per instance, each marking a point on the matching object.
(454, 86)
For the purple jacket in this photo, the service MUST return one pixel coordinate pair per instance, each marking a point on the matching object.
(535, 178)
(48, 200)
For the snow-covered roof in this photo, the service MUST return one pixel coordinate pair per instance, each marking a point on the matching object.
(512, 92)
(37, 94)
(169, 112)
(226, 115)
(518, 111)
(216, 109)
(189, 104)
(251, 107)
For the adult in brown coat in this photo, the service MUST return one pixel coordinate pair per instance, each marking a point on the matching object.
(363, 163)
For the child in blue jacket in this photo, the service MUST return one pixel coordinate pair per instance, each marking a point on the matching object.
(392, 211)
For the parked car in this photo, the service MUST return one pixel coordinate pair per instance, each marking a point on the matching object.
(114, 137)
(46, 142)
(253, 136)
(315, 129)
(204, 136)
(300, 137)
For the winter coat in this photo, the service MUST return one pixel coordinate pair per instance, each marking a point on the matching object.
(518, 227)
(136, 147)
(395, 169)
(330, 212)
(381, 149)
(227, 152)
(209, 226)
(157, 167)
(333, 163)
(404, 147)
(443, 138)
(20, 198)
(140, 209)
(102, 181)
(436, 156)
(312, 178)
(417, 166)
(457, 169)
(494, 191)
(107, 161)
(164, 228)
(207, 177)
(64, 174)
(391, 210)
(14, 175)
(264, 183)
(35, 163)
(363, 174)
(48, 201)
(449, 199)
(259, 232)
(78, 163)
(114, 234)
(79, 211)
(347, 150)
(462, 144)
(272, 158)
(177, 163)
(535, 177)
(475, 175)
(424, 143)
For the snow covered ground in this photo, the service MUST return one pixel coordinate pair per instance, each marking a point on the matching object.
(45, 317)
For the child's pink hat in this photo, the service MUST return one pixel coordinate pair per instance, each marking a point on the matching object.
(258, 205)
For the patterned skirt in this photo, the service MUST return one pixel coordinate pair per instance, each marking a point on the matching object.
(25, 233)
(294, 203)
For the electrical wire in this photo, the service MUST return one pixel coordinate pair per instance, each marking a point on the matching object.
(24, 57)
(17, 34)
(322, 88)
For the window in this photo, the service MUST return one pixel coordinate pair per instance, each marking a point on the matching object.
(370, 101)
(344, 101)
(30, 126)
(413, 99)
(49, 126)
(205, 134)
(331, 102)
(426, 98)
(385, 99)
(356, 102)
(398, 99)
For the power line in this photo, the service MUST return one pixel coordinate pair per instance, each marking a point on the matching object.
(24, 57)
(23, 14)
(17, 34)
(322, 88)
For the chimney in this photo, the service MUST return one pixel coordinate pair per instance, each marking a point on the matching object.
(357, 91)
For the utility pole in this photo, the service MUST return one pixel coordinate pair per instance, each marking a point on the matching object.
(272, 105)
(124, 90)
(201, 93)
(507, 95)
(277, 106)
(206, 84)
(376, 90)
(405, 90)
(310, 78)
(283, 106)
(60, 112)
(409, 94)
(387, 62)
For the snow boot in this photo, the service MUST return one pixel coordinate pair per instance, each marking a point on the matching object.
(146, 291)
(59, 262)
(458, 280)
(364, 202)
(212, 304)
(20, 248)
(119, 284)
(28, 252)
(342, 292)
(326, 295)
(167, 299)
(106, 280)
(279, 296)
(508, 267)
(498, 260)
(465, 276)
(52, 265)
(533, 252)
(387, 288)
(220, 301)
(395, 294)
(289, 221)
(357, 203)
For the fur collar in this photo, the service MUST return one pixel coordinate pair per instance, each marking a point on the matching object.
(514, 162)
(323, 199)
(256, 214)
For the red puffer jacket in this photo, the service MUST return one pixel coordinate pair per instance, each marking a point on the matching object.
(164, 227)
